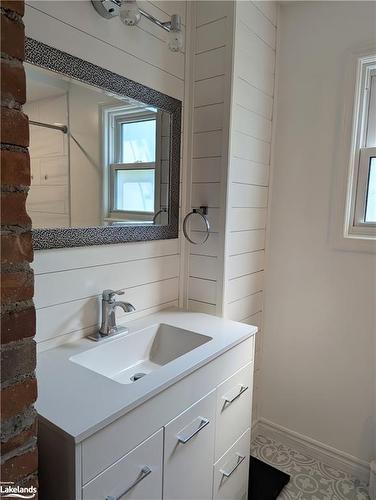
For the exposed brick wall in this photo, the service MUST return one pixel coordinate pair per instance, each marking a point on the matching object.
(19, 458)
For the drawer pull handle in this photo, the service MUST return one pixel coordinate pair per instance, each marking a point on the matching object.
(203, 423)
(145, 471)
(243, 388)
(239, 461)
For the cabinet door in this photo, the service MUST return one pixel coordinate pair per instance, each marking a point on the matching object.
(189, 452)
(54, 171)
(35, 171)
(234, 409)
(48, 199)
(136, 476)
(232, 470)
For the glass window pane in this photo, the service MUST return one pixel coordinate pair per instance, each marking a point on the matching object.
(371, 120)
(138, 141)
(371, 193)
(135, 190)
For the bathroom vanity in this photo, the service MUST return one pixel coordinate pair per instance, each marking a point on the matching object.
(162, 411)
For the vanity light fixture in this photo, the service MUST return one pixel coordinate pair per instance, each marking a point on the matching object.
(130, 14)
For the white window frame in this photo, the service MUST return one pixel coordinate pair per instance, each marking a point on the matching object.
(112, 119)
(355, 225)
(365, 156)
(115, 213)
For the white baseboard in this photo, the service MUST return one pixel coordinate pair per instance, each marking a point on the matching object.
(372, 481)
(319, 451)
(255, 428)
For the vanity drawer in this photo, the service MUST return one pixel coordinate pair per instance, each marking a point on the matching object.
(139, 472)
(234, 403)
(231, 471)
(188, 453)
(103, 448)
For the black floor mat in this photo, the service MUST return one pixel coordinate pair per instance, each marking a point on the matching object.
(265, 482)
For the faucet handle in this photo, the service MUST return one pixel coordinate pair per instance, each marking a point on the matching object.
(108, 295)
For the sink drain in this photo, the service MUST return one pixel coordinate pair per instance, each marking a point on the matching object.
(137, 376)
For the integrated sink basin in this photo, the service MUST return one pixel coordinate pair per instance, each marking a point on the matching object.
(130, 357)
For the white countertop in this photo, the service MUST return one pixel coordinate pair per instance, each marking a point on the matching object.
(80, 402)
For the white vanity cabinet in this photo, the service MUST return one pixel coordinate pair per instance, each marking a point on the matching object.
(233, 407)
(230, 479)
(190, 441)
(188, 452)
(138, 475)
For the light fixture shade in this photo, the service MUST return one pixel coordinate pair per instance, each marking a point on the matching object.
(175, 22)
(129, 12)
(106, 8)
(175, 41)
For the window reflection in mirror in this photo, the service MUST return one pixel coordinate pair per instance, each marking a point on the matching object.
(370, 216)
(96, 158)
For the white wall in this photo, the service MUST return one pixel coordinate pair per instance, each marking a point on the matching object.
(68, 282)
(248, 171)
(319, 322)
(48, 199)
(233, 82)
(233, 86)
(86, 171)
(212, 60)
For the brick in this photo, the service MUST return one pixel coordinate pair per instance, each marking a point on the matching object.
(19, 467)
(17, 424)
(16, 248)
(14, 127)
(16, 286)
(17, 6)
(12, 38)
(13, 210)
(18, 325)
(16, 398)
(20, 440)
(19, 360)
(13, 83)
(18, 353)
(30, 481)
(15, 168)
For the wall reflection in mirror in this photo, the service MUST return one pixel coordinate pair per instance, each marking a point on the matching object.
(96, 158)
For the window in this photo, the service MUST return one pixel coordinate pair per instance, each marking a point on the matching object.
(131, 157)
(361, 217)
(371, 192)
(138, 141)
(134, 189)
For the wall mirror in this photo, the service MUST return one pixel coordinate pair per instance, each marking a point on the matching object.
(104, 153)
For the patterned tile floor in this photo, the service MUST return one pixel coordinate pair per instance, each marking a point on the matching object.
(310, 479)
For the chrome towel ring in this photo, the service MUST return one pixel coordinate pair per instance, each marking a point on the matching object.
(202, 212)
(161, 211)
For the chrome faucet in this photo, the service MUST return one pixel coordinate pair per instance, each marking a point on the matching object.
(109, 304)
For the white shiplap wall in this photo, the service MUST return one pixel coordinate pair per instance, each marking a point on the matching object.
(249, 158)
(68, 282)
(211, 98)
(233, 87)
